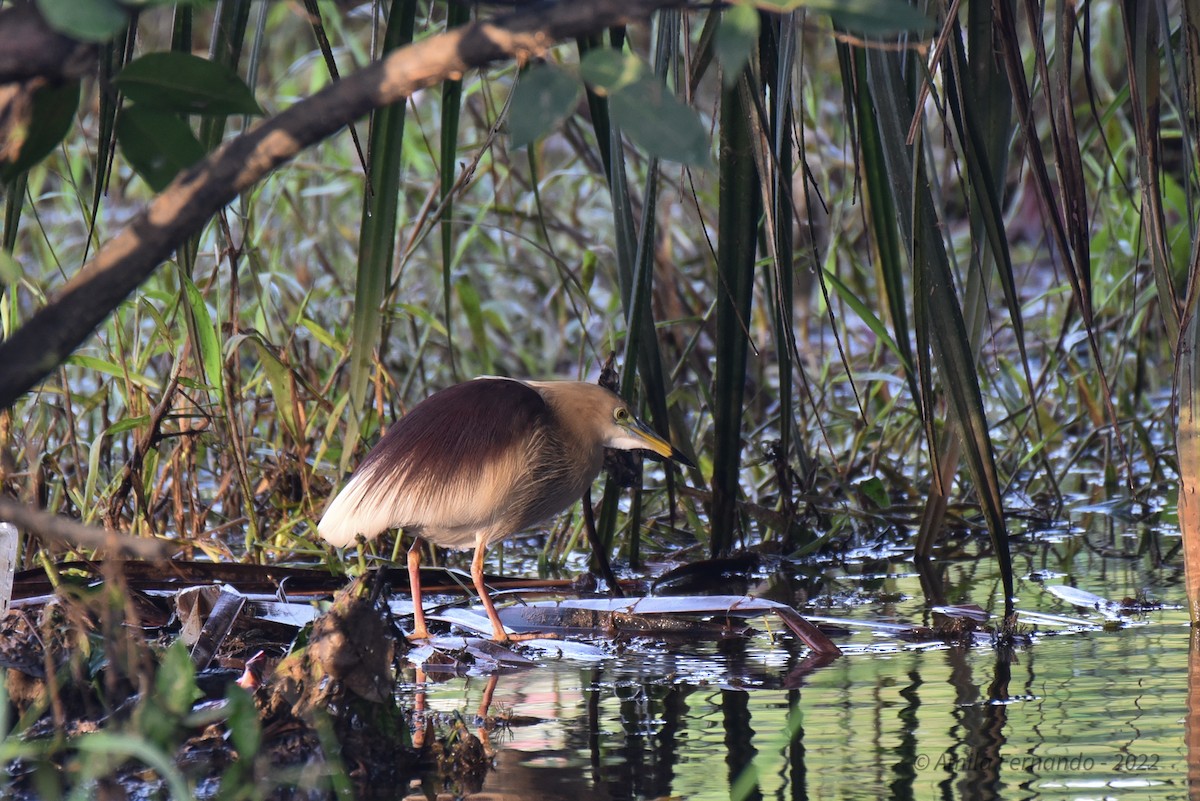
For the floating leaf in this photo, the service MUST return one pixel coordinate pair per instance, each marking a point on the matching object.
(186, 84)
(157, 144)
(85, 20)
(735, 40)
(544, 96)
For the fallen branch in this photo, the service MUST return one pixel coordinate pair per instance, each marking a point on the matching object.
(54, 528)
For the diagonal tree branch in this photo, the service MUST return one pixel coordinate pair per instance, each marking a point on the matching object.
(184, 207)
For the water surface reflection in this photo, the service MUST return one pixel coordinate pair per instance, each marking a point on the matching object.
(1078, 713)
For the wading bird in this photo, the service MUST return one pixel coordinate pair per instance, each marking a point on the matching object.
(481, 461)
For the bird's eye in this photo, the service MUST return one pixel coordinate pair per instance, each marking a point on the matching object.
(621, 414)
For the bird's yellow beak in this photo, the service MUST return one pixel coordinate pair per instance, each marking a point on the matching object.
(653, 442)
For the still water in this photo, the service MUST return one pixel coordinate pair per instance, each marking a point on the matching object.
(1076, 712)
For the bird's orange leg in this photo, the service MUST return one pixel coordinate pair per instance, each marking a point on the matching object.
(498, 632)
(420, 632)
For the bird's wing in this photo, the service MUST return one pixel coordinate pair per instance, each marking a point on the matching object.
(452, 466)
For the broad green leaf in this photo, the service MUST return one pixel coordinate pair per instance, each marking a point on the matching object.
(735, 40)
(186, 84)
(99, 748)
(645, 109)
(279, 376)
(322, 335)
(609, 70)
(53, 113)
(85, 20)
(660, 123)
(206, 332)
(159, 716)
(875, 491)
(157, 144)
(864, 16)
(543, 98)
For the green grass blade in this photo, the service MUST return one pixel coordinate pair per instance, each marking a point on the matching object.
(882, 207)
(452, 92)
(948, 332)
(380, 211)
(737, 240)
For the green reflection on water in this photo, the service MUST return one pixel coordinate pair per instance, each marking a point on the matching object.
(1077, 714)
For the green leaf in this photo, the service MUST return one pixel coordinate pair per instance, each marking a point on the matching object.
(472, 306)
(735, 40)
(10, 269)
(85, 20)
(110, 368)
(175, 684)
(587, 270)
(875, 491)
(609, 70)
(206, 332)
(244, 727)
(128, 424)
(186, 84)
(644, 108)
(544, 96)
(377, 232)
(660, 123)
(866, 315)
(157, 145)
(864, 16)
(279, 376)
(53, 113)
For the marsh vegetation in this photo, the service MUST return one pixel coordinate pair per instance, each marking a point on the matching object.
(919, 292)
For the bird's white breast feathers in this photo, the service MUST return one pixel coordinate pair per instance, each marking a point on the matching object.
(450, 510)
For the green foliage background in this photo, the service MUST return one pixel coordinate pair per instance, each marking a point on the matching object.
(839, 302)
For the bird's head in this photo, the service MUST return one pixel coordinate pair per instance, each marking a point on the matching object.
(603, 417)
